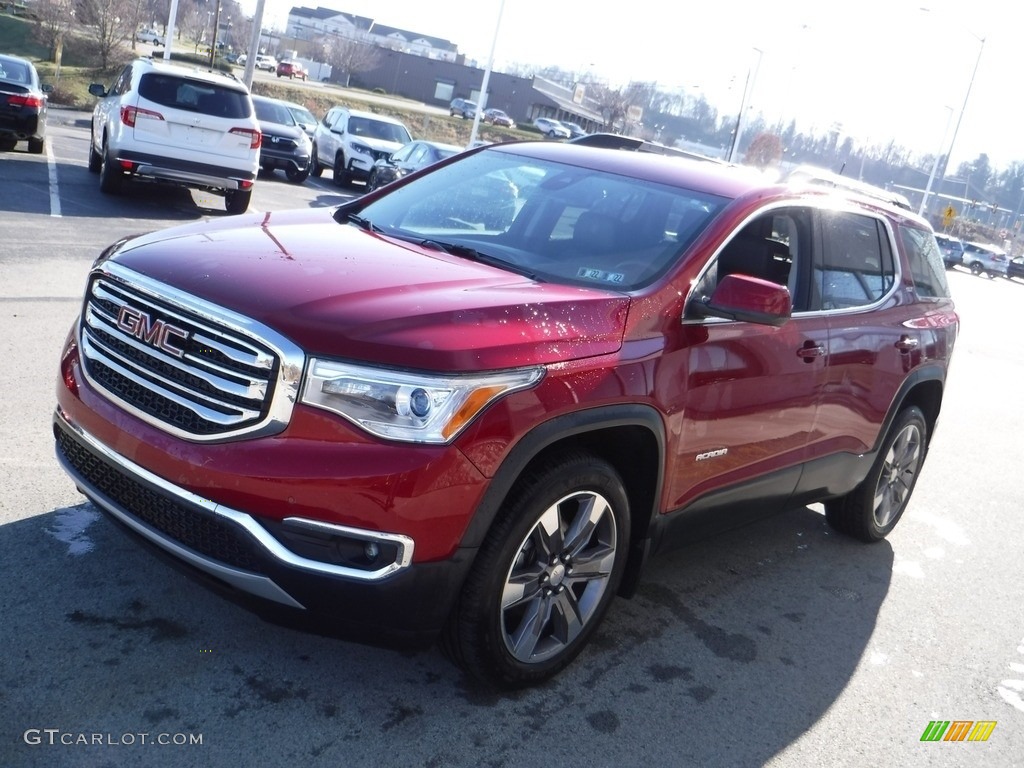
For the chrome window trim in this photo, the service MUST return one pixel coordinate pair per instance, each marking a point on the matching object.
(819, 205)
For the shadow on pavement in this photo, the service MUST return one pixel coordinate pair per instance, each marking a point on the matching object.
(730, 651)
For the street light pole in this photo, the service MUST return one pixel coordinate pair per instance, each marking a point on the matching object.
(963, 107)
(935, 165)
(487, 77)
(748, 88)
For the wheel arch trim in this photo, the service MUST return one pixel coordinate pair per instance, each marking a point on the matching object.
(574, 430)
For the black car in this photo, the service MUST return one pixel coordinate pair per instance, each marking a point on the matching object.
(1016, 268)
(285, 144)
(23, 103)
(411, 157)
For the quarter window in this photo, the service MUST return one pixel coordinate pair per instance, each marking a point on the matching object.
(926, 264)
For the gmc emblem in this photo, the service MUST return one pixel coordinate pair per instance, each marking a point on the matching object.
(156, 333)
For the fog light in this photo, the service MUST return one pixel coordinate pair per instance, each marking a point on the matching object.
(371, 550)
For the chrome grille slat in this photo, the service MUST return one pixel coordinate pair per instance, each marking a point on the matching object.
(251, 389)
(212, 415)
(256, 359)
(189, 367)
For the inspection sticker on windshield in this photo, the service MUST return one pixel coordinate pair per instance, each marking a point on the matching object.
(599, 274)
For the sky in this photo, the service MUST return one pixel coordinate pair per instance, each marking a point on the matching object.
(875, 70)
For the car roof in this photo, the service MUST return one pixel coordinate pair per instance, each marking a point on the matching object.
(196, 73)
(807, 174)
(371, 115)
(714, 178)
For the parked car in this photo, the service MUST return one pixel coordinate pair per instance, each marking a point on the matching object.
(305, 119)
(167, 124)
(985, 259)
(551, 128)
(268, 63)
(292, 69)
(411, 157)
(479, 427)
(952, 249)
(498, 117)
(1015, 268)
(285, 145)
(575, 131)
(349, 142)
(149, 36)
(23, 105)
(463, 108)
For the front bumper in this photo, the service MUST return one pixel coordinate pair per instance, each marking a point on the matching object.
(394, 600)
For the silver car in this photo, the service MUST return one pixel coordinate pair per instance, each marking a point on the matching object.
(985, 259)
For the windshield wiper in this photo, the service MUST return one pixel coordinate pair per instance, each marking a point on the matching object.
(466, 252)
(363, 223)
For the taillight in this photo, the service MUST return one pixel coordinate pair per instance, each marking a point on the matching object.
(26, 100)
(255, 137)
(129, 115)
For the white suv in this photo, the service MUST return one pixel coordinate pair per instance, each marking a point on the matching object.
(350, 142)
(164, 123)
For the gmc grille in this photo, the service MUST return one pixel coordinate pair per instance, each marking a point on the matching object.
(180, 368)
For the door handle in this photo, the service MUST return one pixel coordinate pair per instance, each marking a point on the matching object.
(809, 351)
(907, 343)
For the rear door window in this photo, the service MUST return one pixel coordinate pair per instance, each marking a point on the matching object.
(856, 266)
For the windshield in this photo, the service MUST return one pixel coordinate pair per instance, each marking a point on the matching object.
(560, 223)
(272, 112)
(378, 129)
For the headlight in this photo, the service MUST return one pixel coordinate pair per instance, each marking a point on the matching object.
(404, 406)
(362, 149)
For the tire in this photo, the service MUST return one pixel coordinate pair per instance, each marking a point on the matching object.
(95, 159)
(36, 146)
(315, 169)
(872, 509)
(295, 175)
(976, 268)
(569, 513)
(110, 177)
(341, 178)
(6, 145)
(236, 201)
(371, 183)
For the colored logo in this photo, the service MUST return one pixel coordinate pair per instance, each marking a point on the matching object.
(958, 730)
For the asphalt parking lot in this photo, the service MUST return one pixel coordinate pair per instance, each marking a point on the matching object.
(778, 644)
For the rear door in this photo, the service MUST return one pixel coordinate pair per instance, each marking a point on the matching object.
(873, 343)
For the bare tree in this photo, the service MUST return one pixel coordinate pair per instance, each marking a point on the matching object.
(348, 56)
(765, 151)
(55, 18)
(112, 20)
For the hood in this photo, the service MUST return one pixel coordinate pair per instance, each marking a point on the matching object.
(293, 132)
(338, 290)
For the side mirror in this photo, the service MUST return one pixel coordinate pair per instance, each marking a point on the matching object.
(97, 89)
(747, 299)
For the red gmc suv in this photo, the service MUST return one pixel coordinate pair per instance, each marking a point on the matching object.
(471, 404)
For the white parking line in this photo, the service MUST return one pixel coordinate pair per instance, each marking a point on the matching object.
(51, 162)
